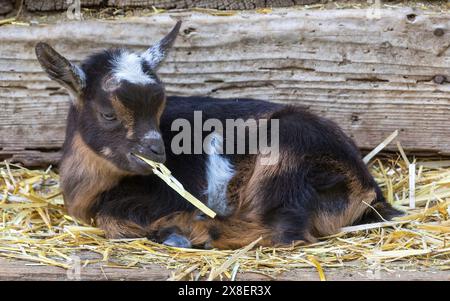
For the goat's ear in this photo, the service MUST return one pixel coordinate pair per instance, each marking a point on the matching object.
(60, 69)
(156, 54)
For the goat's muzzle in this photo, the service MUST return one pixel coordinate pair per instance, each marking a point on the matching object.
(152, 149)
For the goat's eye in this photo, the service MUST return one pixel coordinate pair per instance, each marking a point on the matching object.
(109, 117)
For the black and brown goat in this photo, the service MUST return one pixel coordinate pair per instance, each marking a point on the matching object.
(318, 185)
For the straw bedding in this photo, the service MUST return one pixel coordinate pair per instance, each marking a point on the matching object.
(35, 227)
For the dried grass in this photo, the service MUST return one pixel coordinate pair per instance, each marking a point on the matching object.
(35, 227)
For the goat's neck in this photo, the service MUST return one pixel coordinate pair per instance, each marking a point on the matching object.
(84, 176)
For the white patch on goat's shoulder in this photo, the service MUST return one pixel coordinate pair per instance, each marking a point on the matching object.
(152, 135)
(153, 56)
(219, 172)
(128, 66)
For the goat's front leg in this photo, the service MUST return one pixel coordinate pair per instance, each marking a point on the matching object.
(222, 232)
(169, 235)
(187, 229)
(119, 228)
(117, 220)
(180, 229)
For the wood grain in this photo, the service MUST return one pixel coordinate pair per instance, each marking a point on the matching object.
(6, 6)
(50, 5)
(372, 76)
(23, 270)
(212, 4)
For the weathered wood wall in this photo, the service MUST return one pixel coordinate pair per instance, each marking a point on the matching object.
(6, 6)
(48, 5)
(13, 270)
(371, 75)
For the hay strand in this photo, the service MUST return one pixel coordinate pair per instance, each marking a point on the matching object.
(380, 147)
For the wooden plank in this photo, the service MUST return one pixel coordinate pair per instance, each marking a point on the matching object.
(32, 158)
(6, 6)
(212, 4)
(372, 76)
(23, 270)
(49, 5)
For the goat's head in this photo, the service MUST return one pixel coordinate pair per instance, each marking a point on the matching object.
(117, 100)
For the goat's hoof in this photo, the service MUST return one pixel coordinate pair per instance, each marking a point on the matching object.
(176, 240)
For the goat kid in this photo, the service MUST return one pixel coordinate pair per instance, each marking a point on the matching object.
(318, 185)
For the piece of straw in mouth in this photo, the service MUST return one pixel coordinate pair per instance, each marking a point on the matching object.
(163, 172)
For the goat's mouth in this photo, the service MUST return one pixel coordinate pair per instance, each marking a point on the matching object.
(141, 164)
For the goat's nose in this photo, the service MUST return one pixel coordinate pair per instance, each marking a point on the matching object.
(153, 146)
(157, 149)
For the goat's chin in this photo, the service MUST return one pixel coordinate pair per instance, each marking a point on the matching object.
(142, 172)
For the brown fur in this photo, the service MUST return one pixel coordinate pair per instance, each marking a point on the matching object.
(90, 174)
(325, 223)
(160, 111)
(232, 232)
(115, 228)
(252, 173)
(238, 186)
(124, 115)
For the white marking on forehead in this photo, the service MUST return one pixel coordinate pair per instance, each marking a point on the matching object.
(128, 66)
(152, 135)
(153, 56)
